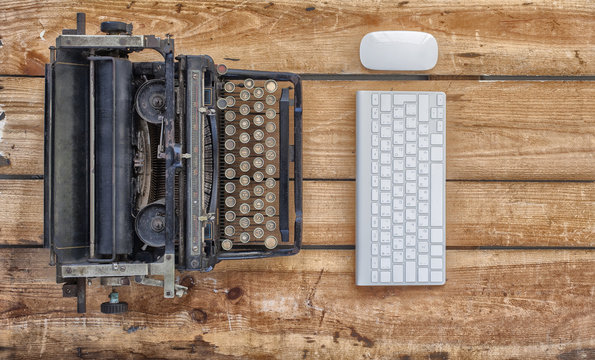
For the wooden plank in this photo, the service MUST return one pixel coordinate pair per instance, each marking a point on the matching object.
(478, 213)
(495, 305)
(495, 130)
(481, 37)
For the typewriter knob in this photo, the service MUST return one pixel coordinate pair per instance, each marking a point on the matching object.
(116, 27)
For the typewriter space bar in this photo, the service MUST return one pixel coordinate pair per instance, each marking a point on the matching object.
(284, 165)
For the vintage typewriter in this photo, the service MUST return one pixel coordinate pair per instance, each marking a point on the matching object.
(153, 167)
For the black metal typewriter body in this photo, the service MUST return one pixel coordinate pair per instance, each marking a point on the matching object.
(156, 166)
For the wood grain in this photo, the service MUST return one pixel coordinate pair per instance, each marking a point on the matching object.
(533, 305)
(478, 213)
(495, 130)
(481, 37)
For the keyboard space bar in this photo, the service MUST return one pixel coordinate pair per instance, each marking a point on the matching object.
(437, 194)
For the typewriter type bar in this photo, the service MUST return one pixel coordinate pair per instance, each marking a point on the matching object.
(156, 166)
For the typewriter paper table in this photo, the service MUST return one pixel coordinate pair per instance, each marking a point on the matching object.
(520, 190)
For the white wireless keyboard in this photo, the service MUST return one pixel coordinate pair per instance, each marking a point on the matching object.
(401, 168)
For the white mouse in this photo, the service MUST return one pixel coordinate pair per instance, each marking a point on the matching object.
(398, 50)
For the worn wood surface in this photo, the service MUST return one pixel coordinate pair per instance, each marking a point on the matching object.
(495, 130)
(529, 305)
(477, 213)
(518, 37)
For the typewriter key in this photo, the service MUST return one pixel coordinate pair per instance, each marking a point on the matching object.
(258, 93)
(230, 187)
(258, 204)
(270, 141)
(244, 137)
(231, 101)
(245, 166)
(229, 230)
(230, 201)
(244, 208)
(230, 216)
(258, 162)
(271, 155)
(245, 95)
(230, 144)
(258, 148)
(249, 83)
(271, 169)
(258, 106)
(229, 86)
(244, 237)
(226, 244)
(258, 190)
(244, 109)
(230, 115)
(258, 120)
(258, 176)
(244, 151)
(258, 218)
(271, 242)
(221, 69)
(270, 197)
(271, 113)
(271, 225)
(244, 222)
(244, 180)
(230, 173)
(270, 100)
(221, 103)
(271, 127)
(270, 210)
(230, 130)
(270, 183)
(230, 159)
(270, 85)
(258, 135)
(258, 233)
(244, 123)
(244, 194)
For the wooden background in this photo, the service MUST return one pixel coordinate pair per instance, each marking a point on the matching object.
(520, 190)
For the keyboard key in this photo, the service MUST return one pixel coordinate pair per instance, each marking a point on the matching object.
(436, 154)
(375, 154)
(385, 251)
(410, 227)
(374, 126)
(374, 195)
(422, 234)
(374, 167)
(423, 194)
(375, 262)
(398, 125)
(398, 112)
(423, 142)
(410, 214)
(422, 220)
(434, 113)
(398, 191)
(436, 263)
(375, 113)
(385, 103)
(385, 119)
(385, 198)
(385, 145)
(384, 225)
(411, 123)
(374, 221)
(436, 250)
(423, 168)
(439, 99)
(411, 109)
(423, 129)
(436, 139)
(423, 181)
(423, 207)
(440, 114)
(399, 99)
(411, 135)
(398, 178)
(374, 180)
(385, 276)
(385, 171)
(410, 188)
(410, 200)
(398, 165)
(374, 276)
(385, 184)
(398, 273)
(397, 245)
(375, 140)
(437, 193)
(422, 260)
(385, 236)
(398, 151)
(374, 208)
(410, 162)
(375, 99)
(398, 139)
(398, 230)
(375, 234)
(436, 236)
(385, 263)
(385, 132)
(398, 217)
(385, 159)
(410, 253)
(398, 256)
(410, 240)
(410, 271)
(410, 149)
(385, 210)
(410, 175)
(440, 126)
(398, 204)
(436, 276)
(424, 104)
(375, 248)
(422, 275)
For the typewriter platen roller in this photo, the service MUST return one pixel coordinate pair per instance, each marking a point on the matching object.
(156, 166)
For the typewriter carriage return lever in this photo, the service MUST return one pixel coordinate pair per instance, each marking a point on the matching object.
(156, 166)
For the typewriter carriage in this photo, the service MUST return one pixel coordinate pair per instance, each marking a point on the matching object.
(135, 182)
